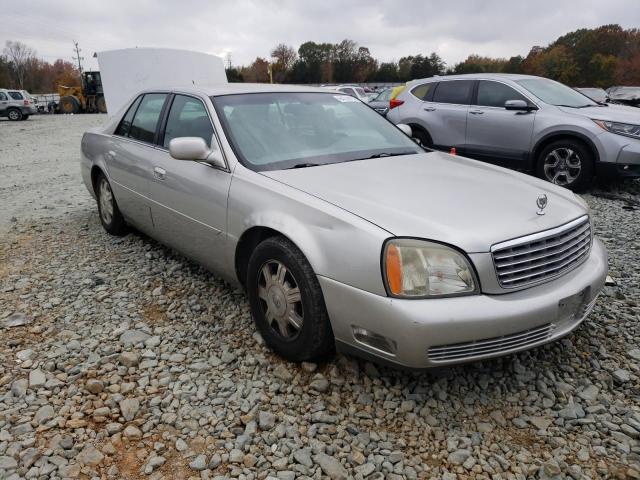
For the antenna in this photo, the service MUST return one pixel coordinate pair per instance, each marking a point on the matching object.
(78, 58)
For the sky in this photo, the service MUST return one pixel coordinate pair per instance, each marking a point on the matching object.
(245, 29)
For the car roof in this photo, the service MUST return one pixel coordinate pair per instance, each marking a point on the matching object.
(238, 88)
(476, 76)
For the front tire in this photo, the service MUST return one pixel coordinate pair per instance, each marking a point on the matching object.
(287, 303)
(567, 163)
(110, 216)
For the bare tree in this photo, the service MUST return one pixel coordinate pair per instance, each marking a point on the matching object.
(20, 55)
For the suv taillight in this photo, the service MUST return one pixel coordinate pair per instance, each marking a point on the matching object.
(394, 102)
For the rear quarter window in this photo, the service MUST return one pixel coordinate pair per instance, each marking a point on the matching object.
(423, 92)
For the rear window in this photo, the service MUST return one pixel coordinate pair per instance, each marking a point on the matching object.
(125, 124)
(454, 91)
(145, 122)
(16, 95)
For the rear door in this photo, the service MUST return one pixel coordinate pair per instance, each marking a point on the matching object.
(446, 114)
(189, 198)
(494, 133)
(129, 158)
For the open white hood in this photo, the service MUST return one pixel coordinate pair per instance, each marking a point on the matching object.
(126, 72)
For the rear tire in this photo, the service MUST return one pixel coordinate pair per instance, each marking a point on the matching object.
(287, 303)
(110, 216)
(69, 104)
(14, 114)
(24, 117)
(567, 163)
(422, 136)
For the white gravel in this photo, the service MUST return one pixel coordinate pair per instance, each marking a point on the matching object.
(39, 169)
(124, 360)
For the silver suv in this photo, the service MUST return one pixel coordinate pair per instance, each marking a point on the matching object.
(524, 122)
(16, 104)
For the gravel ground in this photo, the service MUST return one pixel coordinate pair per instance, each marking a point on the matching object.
(135, 363)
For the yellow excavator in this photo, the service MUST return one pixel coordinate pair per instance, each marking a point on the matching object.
(87, 98)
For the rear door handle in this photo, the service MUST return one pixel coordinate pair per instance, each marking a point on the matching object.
(429, 109)
(476, 112)
(159, 173)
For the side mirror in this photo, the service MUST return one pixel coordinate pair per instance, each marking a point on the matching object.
(195, 149)
(406, 129)
(517, 105)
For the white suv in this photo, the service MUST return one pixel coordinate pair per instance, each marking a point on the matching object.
(16, 104)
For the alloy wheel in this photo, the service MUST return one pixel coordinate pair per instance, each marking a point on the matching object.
(106, 201)
(14, 115)
(280, 299)
(562, 166)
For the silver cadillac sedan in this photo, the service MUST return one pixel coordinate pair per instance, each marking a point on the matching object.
(343, 230)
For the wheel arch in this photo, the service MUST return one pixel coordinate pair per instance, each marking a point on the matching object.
(560, 135)
(95, 172)
(248, 242)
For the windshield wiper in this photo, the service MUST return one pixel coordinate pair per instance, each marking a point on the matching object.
(576, 106)
(304, 165)
(384, 154)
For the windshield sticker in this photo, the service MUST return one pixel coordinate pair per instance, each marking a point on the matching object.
(345, 98)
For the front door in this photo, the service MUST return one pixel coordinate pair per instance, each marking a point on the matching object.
(496, 134)
(189, 198)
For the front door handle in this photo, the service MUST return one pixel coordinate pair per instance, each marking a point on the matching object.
(476, 112)
(159, 173)
(429, 109)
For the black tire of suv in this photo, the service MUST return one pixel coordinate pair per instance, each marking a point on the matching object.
(25, 117)
(117, 225)
(314, 341)
(587, 167)
(424, 137)
(14, 114)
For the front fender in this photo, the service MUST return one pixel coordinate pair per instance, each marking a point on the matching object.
(337, 244)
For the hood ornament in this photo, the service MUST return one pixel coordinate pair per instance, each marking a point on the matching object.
(541, 202)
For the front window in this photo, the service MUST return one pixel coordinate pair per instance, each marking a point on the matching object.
(555, 93)
(496, 94)
(274, 131)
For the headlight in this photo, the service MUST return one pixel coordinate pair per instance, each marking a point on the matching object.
(626, 129)
(419, 268)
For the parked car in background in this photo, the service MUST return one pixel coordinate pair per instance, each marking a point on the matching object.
(625, 95)
(596, 94)
(380, 103)
(351, 90)
(343, 231)
(524, 122)
(16, 105)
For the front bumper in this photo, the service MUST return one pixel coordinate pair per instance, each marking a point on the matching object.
(446, 331)
(619, 156)
(29, 110)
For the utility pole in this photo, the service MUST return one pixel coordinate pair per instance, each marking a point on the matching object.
(229, 60)
(78, 58)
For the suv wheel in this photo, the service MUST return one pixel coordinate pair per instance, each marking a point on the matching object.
(14, 114)
(110, 215)
(287, 303)
(567, 163)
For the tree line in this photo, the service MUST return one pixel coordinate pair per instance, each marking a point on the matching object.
(598, 57)
(21, 69)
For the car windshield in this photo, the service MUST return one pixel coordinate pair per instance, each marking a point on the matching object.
(274, 131)
(556, 93)
(360, 91)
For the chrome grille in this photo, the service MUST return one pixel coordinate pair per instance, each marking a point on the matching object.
(539, 257)
(460, 351)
